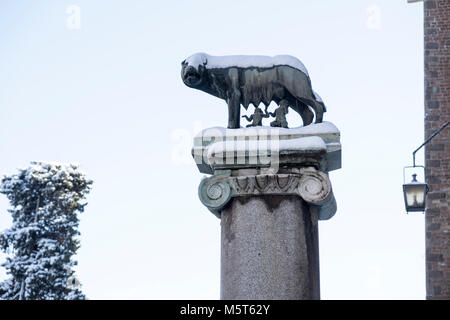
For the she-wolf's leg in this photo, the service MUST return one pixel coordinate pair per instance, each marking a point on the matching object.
(318, 108)
(319, 113)
(234, 101)
(304, 112)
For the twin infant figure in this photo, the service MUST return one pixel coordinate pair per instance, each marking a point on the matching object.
(279, 114)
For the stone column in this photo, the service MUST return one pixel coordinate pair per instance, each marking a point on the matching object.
(269, 206)
(269, 249)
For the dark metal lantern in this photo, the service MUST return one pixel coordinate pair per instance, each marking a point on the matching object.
(415, 195)
(415, 192)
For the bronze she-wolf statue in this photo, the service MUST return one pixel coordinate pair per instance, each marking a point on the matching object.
(245, 80)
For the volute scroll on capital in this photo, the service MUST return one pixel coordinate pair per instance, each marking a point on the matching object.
(311, 185)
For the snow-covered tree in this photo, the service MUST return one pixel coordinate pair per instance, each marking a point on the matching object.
(45, 199)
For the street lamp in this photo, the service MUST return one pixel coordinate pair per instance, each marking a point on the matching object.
(415, 192)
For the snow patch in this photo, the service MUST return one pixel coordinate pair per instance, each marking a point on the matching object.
(300, 144)
(323, 128)
(241, 61)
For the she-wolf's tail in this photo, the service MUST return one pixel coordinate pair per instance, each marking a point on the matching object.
(319, 101)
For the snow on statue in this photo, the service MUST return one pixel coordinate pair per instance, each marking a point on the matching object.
(254, 79)
(45, 200)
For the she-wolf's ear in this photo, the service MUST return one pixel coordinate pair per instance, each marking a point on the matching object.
(202, 67)
(183, 62)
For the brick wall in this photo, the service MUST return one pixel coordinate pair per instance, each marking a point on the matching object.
(437, 152)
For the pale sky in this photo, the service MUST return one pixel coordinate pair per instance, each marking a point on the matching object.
(108, 95)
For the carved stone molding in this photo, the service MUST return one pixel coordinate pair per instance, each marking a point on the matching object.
(311, 185)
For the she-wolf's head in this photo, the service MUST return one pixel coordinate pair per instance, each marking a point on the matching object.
(193, 69)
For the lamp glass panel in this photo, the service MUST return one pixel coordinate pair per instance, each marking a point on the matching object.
(415, 195)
